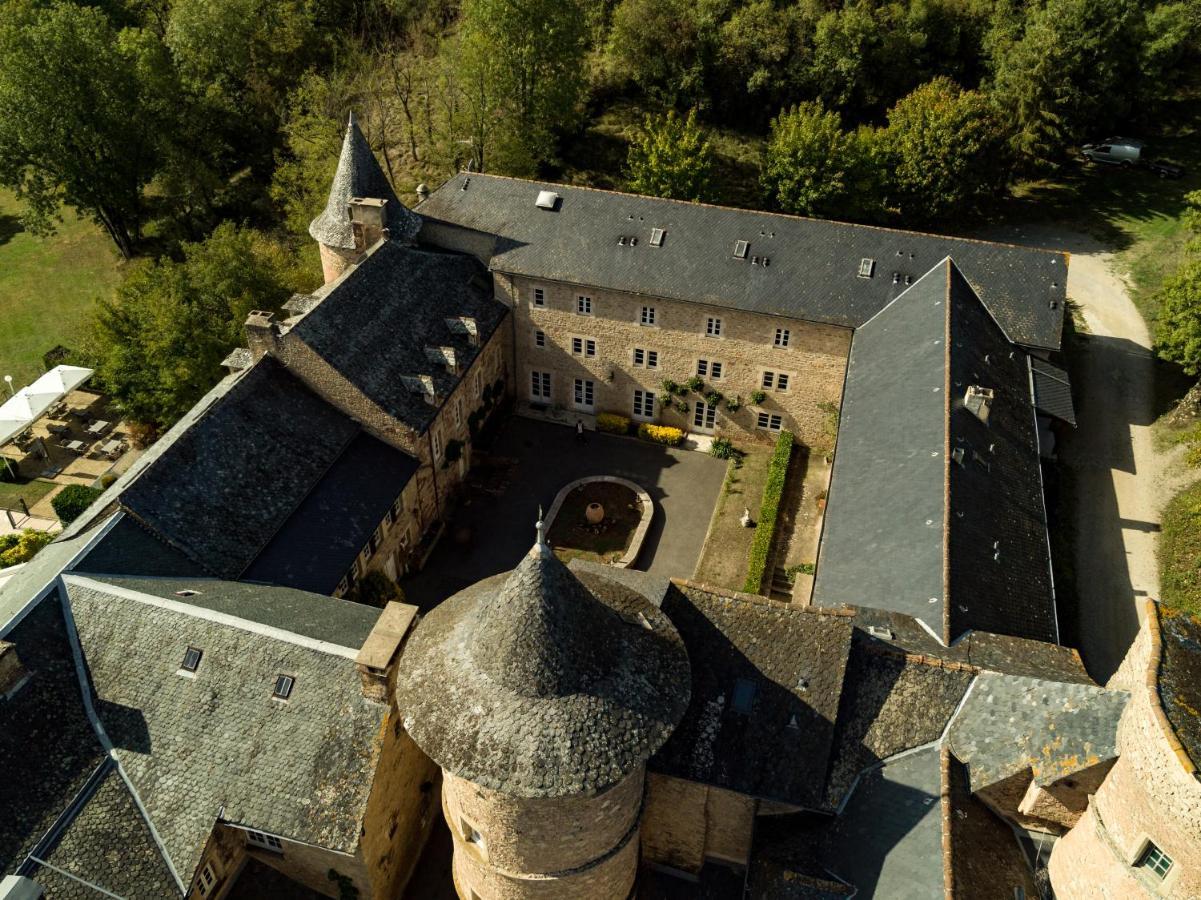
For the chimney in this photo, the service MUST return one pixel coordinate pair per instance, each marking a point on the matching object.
(367, 218)
(262, 333)
(423, 192)
(978, 401)
(12, 672)
(376, 661)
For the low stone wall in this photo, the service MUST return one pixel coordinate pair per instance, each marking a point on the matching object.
(648, 512)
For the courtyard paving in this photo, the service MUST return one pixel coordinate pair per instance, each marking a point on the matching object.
(684, 486)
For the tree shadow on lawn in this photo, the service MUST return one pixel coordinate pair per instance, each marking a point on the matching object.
(10, 227)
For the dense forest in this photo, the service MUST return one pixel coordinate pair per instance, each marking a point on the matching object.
(201, 134)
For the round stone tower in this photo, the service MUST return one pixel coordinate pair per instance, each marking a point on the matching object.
(359, 178)
(542, 701)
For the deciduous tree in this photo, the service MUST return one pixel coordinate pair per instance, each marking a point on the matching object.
(670, 157)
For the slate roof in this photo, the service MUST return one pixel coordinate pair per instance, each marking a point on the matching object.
(247, 490)
(318, 543)
(529, 684)
(359, 175)
(399, 299)
(791, 660)
(931, 512)
(813, 263)
(319, 617)
(1180, 677)
(129, 549)
(888, 840)
(218, 742)
(890, 704)
(1052, 390)
(46, 741)
(1010, 724)
(109, 845)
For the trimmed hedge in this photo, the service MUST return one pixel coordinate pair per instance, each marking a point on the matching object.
(765, 528)
(660, 434)
(612, 423)
(70, 503)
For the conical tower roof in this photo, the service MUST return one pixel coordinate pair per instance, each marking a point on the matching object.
(359, 175)
(531, 684)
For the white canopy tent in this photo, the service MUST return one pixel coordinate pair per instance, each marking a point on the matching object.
(30, 403)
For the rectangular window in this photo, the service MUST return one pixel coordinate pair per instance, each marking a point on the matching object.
(769, 379)
(577, 346)
(648, 316)
(652, 359)
(390, 516)
(437, 441)
(704, 416)
(657, 235)
(539, 338)
(206, 880)
(589, 347)
(265, 841)
(867, 265)
(715, 369)
(191, 659)
(782, 336)
(713, 327)
(741, 248)
(1156, 861)
(470, 835)
(397, 505)
(585, 394)
(639, 356)
(782, 381)
(478, 392)
(644, 405)
(459, 413)
(374, 542)
(540, 385)
(539, 297)
(702, 367)
(583, 305)
(770, 421)
(283, 687)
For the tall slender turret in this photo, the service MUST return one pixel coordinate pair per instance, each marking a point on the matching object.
(362, 207)
(542, 702)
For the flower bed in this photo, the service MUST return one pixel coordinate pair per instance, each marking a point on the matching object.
(765, 528)
(617, 539)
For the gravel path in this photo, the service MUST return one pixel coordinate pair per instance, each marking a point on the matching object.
(1122, 483)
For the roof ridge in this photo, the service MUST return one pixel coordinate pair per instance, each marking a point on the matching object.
(758, 212)
(758, 599)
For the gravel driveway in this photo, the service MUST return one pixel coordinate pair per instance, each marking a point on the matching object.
(1121, 482)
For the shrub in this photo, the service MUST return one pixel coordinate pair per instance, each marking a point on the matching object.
(669, 386)
(666, 399)
(613, 423)
(375, 589)
(19, 548)
(661, 434)
(682, 407)
(713, 398)
(71, 501)
(696, 384)
(733, 404)
(758, 397)
(723, 448)
(769, 510)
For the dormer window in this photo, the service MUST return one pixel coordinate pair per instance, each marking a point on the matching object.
(283, 687)
(191, 660)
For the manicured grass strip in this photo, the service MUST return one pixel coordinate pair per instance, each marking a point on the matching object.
(1180, 551)
(30, 491)
(765, 528)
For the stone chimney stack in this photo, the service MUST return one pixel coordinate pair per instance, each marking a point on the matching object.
(262, 333)
(367, 221)
(377, 659)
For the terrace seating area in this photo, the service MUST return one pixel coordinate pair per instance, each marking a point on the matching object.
(78, 439)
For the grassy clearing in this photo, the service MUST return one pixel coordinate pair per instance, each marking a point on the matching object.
(47, 286)
(11, 493)
(1180, 551)
(725, 555)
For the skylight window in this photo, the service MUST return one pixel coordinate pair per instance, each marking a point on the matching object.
(191, 659)
(741, 248)
(867, 267)
(744, 696)
(186, 592)
(283, 687)
(657, 235)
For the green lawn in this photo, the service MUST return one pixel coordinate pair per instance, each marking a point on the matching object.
(1180, 551)
(31, 491)
(47, 286)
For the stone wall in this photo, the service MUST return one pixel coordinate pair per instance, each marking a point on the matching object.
(303, 863)
(814, 360)
(401, 810)
(687, 822)
(1147, 796)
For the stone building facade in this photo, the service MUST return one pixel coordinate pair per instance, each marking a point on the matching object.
(1141, 833)
(601, 346)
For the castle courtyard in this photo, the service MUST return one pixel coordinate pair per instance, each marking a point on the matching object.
(534, 460)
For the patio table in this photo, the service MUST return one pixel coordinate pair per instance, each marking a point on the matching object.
(108, 448)
(75, 446)
(98, 427)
